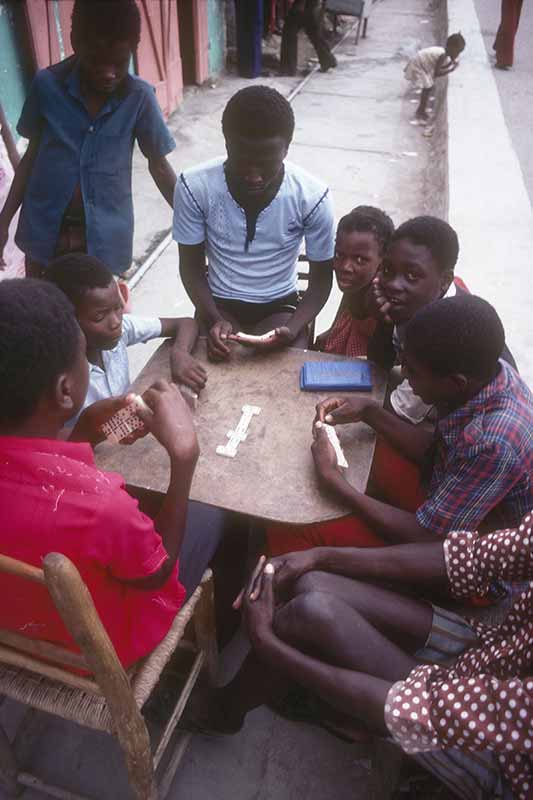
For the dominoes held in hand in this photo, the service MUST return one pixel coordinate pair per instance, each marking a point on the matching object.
(124, 422)
(250, 338)
(334, 441)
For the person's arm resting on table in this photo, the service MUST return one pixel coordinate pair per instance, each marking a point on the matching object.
(193, 273)
(183, 367)
(412, 441)
(189, 231)
(391, 523)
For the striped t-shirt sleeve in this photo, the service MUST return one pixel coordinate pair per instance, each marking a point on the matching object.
(189, 225)
(319, 228)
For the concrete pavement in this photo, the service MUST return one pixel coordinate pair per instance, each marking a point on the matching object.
(515, 86)
(489, 204)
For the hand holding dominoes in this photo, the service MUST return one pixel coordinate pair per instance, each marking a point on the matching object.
(88, 428)
(342, 410)
(328, 456)
(333, 439)
(163, 411)
(126, 421)
(217, 340)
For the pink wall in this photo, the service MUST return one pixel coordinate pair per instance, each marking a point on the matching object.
(201, 40)
(158, 55)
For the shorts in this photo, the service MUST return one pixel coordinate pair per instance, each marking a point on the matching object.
(248, 315)
(450, 635)
(469, 775)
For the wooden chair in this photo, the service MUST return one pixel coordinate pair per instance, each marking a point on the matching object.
(108, 699)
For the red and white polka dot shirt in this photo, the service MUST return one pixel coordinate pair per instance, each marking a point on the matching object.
(485, 700)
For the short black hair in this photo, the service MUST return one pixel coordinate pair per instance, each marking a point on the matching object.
(368, 219)
(76, 273)
(457, 335)
(456, 40)
(258, 112)
(39, 339)
(438, 236)
(111, 20)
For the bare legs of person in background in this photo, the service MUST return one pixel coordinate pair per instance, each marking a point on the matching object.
(304, 14)
(504, 41)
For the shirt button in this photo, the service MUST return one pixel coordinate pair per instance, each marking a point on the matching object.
(91, 129)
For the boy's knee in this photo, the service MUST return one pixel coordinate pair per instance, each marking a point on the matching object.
(305, 614)
(309, 582)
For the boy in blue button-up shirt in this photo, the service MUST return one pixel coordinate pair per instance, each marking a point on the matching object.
(82, 117)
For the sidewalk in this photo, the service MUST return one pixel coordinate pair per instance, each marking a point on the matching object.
(489, 202)
(353, 131)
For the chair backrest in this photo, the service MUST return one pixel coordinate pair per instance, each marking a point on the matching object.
(43, 658)
(75, 606)
(352, 8)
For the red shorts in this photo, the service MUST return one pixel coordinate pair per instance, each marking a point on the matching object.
(395, 479)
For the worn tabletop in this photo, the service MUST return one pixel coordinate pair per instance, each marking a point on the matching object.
(272, 476)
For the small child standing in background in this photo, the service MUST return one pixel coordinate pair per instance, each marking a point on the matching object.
(362, 238)
(431, 63)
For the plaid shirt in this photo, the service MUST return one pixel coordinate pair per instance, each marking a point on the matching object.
(483, 459)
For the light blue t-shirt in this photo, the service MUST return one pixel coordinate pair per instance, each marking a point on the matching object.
(114, 380)
(265, 269)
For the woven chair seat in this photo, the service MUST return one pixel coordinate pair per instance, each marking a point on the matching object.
(87, 708)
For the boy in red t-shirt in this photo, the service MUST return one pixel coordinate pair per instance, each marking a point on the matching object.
(54, 498)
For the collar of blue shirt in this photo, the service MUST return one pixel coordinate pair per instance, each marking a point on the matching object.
(68, 72)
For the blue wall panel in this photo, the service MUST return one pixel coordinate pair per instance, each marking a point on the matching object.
(15, 74)
(217, 35)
